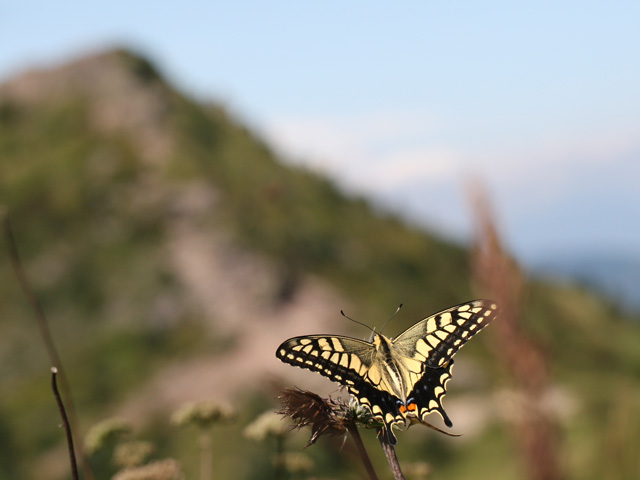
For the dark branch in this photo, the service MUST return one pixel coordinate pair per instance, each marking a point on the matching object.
(362, 452)
(65, 422)
(43, 327)
(390, 453)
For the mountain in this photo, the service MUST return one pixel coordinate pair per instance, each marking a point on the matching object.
(172, 251)
(615, 275)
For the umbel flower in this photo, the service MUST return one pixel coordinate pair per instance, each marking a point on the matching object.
(203, 414)
(132, 453)
(167, 469)
(105, 433)
(267, 425)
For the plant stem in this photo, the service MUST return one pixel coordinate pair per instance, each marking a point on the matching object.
(45, 332)
(279, 460)
(353, 430)
(206, 458)
(65, 422)
(390, 453)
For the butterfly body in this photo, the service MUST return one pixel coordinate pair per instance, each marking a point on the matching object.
(400, 380)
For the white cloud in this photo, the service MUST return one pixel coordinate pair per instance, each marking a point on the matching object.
(332, 143)
(398, 169)
(407, 161)
(387, 150)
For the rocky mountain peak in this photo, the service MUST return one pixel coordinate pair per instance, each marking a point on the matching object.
(124, 92)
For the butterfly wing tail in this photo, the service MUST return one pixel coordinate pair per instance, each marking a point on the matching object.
(430, 390)
(387, 433)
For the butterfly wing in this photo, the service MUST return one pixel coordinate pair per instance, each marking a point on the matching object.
(344, 360)
(426, 349)
(434, 340)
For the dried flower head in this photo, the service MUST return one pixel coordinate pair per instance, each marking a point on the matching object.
(167, 469)
(326, 416)
(106, 433)
(203, 414)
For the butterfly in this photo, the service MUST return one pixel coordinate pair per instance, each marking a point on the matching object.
(400, 380)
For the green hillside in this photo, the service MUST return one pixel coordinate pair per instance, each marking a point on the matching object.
(111, 177)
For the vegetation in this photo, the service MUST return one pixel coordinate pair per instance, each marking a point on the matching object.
(95, 216)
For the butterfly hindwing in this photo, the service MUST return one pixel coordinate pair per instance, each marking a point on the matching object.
(428, 392)
(425, 398)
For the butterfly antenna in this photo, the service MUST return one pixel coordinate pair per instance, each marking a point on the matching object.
(394, 314)
(373, 330)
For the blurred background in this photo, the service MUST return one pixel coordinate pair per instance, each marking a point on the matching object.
(189, 186)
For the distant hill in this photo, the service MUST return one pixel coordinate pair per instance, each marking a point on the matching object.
(173, 251)
(616, 276)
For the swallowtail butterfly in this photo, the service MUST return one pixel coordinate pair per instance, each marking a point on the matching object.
(400, 379)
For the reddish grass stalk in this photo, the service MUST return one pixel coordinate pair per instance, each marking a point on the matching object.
(498, 276)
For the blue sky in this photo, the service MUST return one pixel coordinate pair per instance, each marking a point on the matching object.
(405, 102)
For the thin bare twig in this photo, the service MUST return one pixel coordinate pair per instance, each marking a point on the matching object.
(362, 452)
(65, 422)
(392, 458)
(41, 318)
(45, 332)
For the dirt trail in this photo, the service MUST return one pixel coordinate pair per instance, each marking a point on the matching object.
(237, 290)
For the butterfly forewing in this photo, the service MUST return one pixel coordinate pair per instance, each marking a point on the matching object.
(343, 359)
(434, 340)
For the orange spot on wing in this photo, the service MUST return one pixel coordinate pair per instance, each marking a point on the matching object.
(412, 407)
